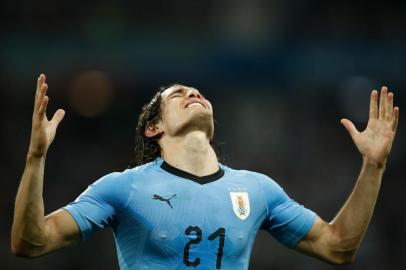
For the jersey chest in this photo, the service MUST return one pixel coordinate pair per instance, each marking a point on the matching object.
(191, 224)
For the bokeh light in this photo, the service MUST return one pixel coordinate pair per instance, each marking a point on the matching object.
(91, 93)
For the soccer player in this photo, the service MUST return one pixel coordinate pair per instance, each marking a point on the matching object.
(179, 208)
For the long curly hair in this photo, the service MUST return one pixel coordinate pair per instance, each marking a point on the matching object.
(147, 149)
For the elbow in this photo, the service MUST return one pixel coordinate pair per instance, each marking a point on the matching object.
(342, 250)
(342, 258)
(23, 250)
(20, 252)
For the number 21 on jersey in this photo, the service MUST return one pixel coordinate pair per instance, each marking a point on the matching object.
(220, 232)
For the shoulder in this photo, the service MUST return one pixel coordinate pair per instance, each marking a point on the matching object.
(126, 176)
(118, 184)
(265, 184)
(116, 188)
(261, 178)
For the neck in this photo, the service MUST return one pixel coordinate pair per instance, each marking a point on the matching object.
(191, 152)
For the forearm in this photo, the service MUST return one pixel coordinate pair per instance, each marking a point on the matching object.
(351, 222)
(32, 233)
(338, 241)
(29, 224)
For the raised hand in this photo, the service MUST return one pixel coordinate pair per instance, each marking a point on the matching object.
(375, 142)
(43, 130)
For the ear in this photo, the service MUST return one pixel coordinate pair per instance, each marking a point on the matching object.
(153, 130)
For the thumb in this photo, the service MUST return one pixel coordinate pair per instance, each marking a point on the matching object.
(58, 116)
(349, 126)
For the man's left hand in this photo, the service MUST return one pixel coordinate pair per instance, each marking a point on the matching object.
(375, 142)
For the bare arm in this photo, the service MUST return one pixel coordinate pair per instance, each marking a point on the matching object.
(338, 241)
(33, 234)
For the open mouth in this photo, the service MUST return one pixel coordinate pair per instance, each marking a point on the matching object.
(194, 104)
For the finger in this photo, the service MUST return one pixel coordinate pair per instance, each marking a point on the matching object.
(41, 94)
(41, 79)
(389, 107)
(382, 102)
(373, 105)
(43, 107)
(58, 116)
(395, 118)
(349, 126)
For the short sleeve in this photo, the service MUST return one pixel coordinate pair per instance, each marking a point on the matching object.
(287, 221)
(98, 205)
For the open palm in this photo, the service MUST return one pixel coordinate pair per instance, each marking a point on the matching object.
(375, 142)
(43, 130)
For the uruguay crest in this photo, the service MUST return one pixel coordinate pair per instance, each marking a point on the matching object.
(241, 204)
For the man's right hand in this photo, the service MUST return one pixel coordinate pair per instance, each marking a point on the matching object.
(33, 234)
(43, 130)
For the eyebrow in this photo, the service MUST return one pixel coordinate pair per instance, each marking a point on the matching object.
(178, 90)
(181, 88)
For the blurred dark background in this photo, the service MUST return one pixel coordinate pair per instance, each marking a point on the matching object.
(280, 74)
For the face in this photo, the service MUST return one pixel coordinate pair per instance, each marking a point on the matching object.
(184, 109)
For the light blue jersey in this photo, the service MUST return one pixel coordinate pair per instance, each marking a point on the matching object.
(165, 218)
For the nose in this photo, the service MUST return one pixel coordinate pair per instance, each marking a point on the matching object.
(194, 93)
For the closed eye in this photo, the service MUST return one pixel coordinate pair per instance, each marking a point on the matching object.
(176, 93)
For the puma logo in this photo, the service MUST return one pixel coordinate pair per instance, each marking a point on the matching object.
(157, 197)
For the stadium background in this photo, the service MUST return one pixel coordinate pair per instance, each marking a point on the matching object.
(280, 75)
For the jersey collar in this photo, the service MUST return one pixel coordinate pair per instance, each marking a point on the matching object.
(198, 179)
